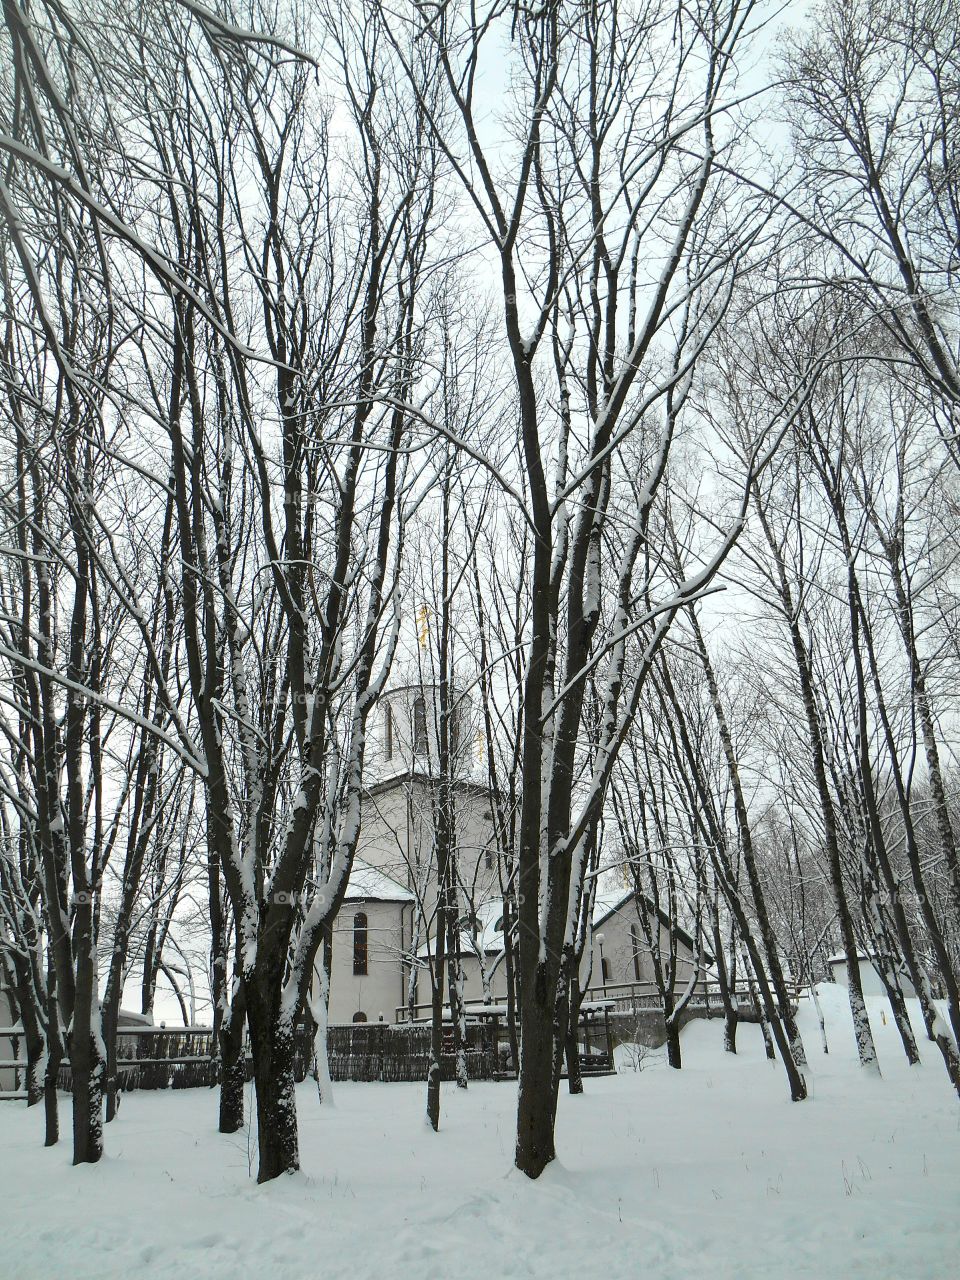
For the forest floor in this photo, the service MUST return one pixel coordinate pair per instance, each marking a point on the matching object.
(709, 1171)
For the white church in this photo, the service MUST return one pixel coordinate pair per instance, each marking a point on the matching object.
(384, 935)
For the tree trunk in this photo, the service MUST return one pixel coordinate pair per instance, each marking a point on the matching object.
(320, 1011)
(572, 1047)
(272, 1045)
(510, 966)
(731, 1011)
(36, 1067)
(536, 1101)
(820, 1018)
(87, 1061)
(767, 933)
(674, 1058)
(767, 1037)
(898, 1006)
(436, 1033)
(436, 1054)
(110, 1019)
(731, 1021)
(54, 1058)
(936, 1029)
(866, 1050)
(458, 1019)
(726, 878)
(232, 1064)
(87, 1069)
(35, 1043)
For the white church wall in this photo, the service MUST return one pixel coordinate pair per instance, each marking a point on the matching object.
(380, 989)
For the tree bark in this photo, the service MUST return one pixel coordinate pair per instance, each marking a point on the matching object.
(536, 1102)
(572, 1046)
(674, 1057)
(272, 1046)
(230, 1042)
(87, 1061)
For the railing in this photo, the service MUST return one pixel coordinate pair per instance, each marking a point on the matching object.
(473, 1011)
(639, 997)
(12, 1066)
(621, 997)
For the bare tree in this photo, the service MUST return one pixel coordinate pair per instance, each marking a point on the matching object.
(611, 314)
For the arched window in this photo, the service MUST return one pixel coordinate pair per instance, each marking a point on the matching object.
(419, 726)
(635, 939)
(360, 943)
(388, 732)
(359, 1016)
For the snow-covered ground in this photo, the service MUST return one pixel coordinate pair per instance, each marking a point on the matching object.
(708, 1172)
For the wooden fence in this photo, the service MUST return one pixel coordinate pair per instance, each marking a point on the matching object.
(182, 1057)
(379, 1051)
(160, 1058)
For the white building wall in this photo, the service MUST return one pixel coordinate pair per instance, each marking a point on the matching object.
(618, 951)
(397, 837)
(380, 989)
(869, 978)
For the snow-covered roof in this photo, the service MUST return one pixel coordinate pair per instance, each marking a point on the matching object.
(608, 904)
(605, 904)
(841, 957)
(490, 924)
(367, 884)
(489, 932)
